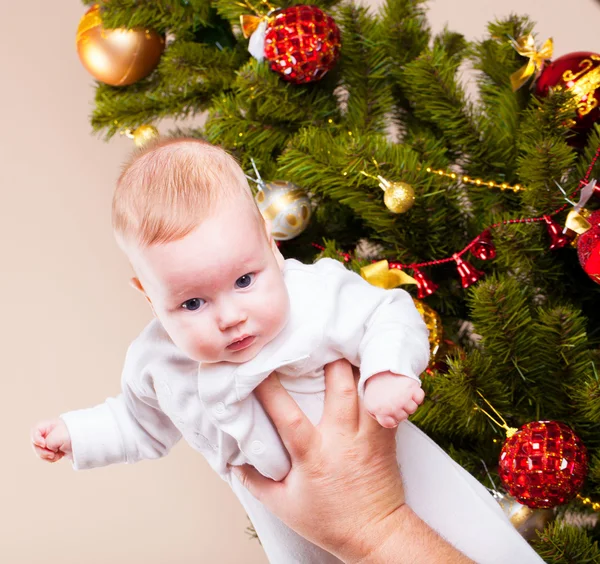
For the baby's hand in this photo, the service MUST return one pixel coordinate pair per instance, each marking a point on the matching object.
(51, 440)
(391, 398)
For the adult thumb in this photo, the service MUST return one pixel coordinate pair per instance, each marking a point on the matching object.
(260, 487)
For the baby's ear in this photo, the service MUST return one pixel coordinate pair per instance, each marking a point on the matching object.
(136, 284)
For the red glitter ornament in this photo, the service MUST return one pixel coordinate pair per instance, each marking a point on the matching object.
(558, 239)
(483, 248)
(467, 272)
(580, 73)
(425, 286)
(543, 464)
(588, 248)
(302, 43)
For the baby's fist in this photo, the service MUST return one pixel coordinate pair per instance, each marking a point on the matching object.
(51, 440)
(390, 398)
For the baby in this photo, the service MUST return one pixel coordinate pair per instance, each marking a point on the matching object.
(229, 310)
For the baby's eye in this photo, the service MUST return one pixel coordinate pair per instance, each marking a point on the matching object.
(192, 304)
(244, 281)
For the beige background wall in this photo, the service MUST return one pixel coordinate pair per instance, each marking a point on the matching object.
(68, 313)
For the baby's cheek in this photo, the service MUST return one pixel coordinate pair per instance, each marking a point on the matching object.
(276, 315)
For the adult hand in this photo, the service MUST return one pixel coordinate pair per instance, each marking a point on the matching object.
(344, 472)
(344, 492)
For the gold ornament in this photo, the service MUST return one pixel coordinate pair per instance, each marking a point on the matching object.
(285, 206)
(434, 324)
(117, 56)
(381, 275)
(525, 519)
(398, 197)
(143, 134)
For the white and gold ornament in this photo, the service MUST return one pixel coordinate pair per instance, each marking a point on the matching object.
(285, 206)
(528, 521)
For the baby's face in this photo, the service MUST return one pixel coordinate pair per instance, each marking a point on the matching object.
(219, 291)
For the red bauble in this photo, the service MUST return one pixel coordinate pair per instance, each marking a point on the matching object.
(302, 43)
(580, 73)
(588, 248)
(543, 464)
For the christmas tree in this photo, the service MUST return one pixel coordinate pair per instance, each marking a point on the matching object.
(363, 121)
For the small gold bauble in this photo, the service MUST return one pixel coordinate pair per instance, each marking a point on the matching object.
(434, 324)
(399, 197)
(525, 519)
(144, 134)
(286, 207)
(117, 56)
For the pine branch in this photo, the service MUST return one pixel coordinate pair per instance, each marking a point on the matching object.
(176, 16)
(564, 544)
(431, 85)
(365, 65)
(544, 152)
(450, 403)
(501, 313)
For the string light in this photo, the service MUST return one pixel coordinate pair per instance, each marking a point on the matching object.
(587, 501)
(451, 258)
(401, 266)
(475, 181)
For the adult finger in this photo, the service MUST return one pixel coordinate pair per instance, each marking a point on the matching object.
(295, 429)
(341, 396)
(263, 489)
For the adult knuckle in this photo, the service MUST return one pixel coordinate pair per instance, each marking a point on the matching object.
(347, 391)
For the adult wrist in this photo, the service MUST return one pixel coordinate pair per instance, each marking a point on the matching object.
(404, 538)
(381, 536)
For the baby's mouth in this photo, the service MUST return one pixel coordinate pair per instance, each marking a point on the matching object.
(242, 343)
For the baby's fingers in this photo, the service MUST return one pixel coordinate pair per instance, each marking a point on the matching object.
(418, 396)
(37, 438)
(389, 421)
(47, 455)
(410, 407)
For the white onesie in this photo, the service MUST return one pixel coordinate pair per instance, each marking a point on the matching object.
(334, 314)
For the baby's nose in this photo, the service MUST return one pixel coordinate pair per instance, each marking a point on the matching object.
(230, 317)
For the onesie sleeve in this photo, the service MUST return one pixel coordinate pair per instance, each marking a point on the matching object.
(127, 428)
(375, 329)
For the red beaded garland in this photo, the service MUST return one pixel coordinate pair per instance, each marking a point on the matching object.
(302, 43)
(588, 248)
(543, 464)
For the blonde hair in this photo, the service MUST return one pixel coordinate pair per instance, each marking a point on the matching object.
(168, 187)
